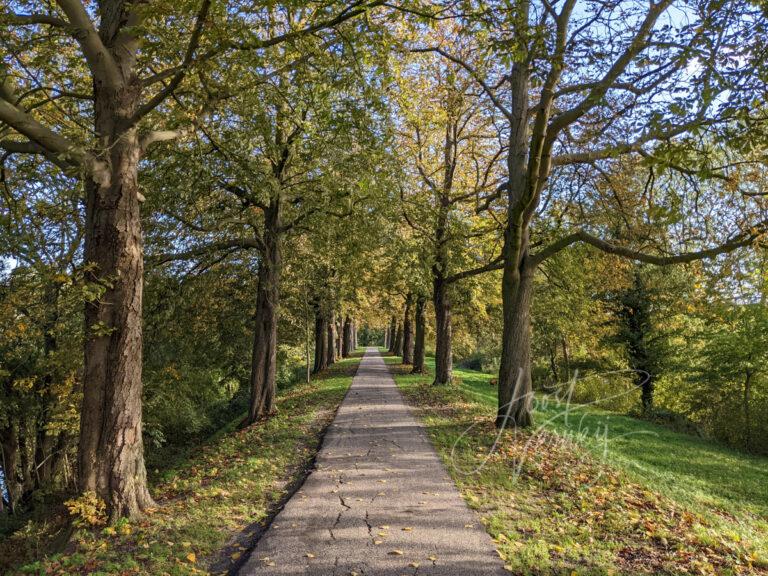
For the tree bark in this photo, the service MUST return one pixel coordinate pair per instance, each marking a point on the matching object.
(321, 340)
(419, 344)
(398, 351)
(515, 387)
(443, 332)
(566, 358)
(264, 359)
(392, 335)
(111, 461)
(339, 339)
(346, 348)
(408, 331)
(331, 323)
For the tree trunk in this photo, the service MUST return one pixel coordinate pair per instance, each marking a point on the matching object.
(443, 332)
(9, 444)
(111, 462)
(745, 407)
(339, 339)
(46, 440)
(408, 332)
(264, 359)
(552, 349)
(321, 340)
(418, 345)
(515, 388)
(566, 358)
(392, 335)
(346, 348)
(646, 393)
(398, 351)
(386, 338)
(331, 339)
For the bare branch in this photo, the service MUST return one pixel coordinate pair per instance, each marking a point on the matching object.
(475, 76)
(596, 93)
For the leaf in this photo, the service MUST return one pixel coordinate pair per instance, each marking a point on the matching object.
(192, 557)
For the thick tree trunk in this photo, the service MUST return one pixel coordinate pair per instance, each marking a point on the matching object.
(111, 462)
(264, 359)
(418, 345)
(443, 332)
(398, 350)
(647, 392)
(515, 387)
(346, 348)
(321, 340)
(408, 332)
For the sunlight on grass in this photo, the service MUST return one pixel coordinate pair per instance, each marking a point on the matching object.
(641, 498)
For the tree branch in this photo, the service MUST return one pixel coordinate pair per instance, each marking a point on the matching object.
(100, 60)
(211, 247)
(181, 71)
(475, 76)
(495, 264)
(41, 136)
(738, 241)
(600, 88)
(32, 19)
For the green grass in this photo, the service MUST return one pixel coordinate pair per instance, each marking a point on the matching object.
(209, 508)
(563, 498)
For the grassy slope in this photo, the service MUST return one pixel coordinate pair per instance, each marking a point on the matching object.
(644, 500)
(217, 497)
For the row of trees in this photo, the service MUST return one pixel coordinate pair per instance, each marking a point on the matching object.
(274, 116)
(531, 140)
(335, 159)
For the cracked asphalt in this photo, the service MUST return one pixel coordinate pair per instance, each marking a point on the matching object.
(379, 502)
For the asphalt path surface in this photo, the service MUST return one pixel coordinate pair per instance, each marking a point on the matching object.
(379, 502)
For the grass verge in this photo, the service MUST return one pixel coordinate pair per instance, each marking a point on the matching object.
(210, 508)
(636, 498)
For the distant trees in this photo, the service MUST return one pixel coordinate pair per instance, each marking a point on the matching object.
(449, 153)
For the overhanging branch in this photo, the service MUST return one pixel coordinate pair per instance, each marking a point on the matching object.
(738, 241)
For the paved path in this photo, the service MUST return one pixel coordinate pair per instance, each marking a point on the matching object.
(380, 501)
